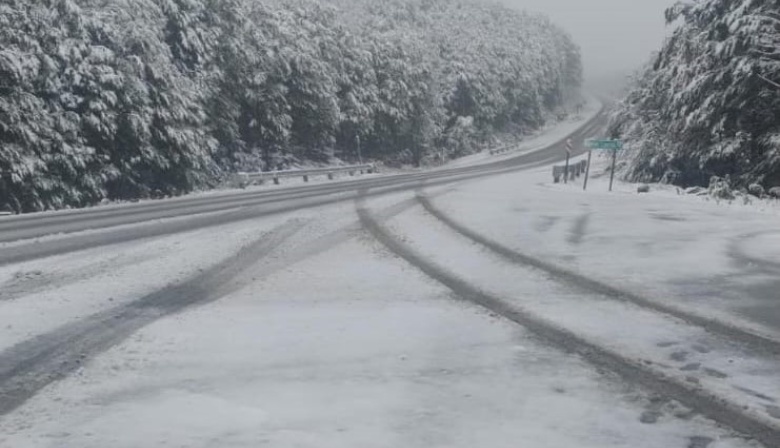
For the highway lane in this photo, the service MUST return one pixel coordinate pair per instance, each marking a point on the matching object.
(210, 210)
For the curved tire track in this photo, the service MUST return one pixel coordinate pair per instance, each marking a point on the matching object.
(713, 407)
(29, 366)
(758, 343)
(252, 204)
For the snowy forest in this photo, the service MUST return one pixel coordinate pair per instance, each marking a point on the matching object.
(709, 103)
(124, 99)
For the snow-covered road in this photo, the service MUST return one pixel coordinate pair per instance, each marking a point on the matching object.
(495, 312)
(331, 341)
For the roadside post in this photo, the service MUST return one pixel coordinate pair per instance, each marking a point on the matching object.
(612, 171)
(568, 155)
(610, 145)
(6, 210)
(587, 170)
(360, 155)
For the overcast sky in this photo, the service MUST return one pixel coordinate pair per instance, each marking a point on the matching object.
(615, 35)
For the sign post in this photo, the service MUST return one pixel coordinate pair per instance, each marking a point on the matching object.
(612, 145)
(568, 155)
(587, 170)
(612, 172)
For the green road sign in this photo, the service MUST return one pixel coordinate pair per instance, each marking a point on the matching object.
(604, 144)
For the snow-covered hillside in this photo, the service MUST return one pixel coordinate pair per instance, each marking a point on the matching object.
(709, 105)
(132, 98)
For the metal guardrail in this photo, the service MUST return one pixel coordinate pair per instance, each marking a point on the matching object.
(306, 174)
(502, 149)
(575, 170)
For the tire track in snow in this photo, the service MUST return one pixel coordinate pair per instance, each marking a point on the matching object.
(236, 207)
(579, 230)
(756, 342)
(709, 405)
(32, 282)
(29, 366)
(109, 236)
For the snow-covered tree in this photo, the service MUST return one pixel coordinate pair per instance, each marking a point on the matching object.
(706, 106)
(129, 98)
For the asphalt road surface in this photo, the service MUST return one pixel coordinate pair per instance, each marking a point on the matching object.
(242, 205)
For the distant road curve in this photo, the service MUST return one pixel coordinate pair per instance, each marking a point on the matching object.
(239, 205)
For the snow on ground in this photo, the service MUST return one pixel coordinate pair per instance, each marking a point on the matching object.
(330, 341)
(681, 351)
(762, 248)
(348, 348)
(41, 295)
(683, 250)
